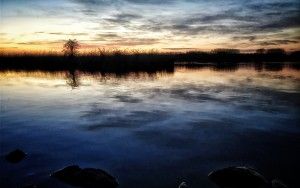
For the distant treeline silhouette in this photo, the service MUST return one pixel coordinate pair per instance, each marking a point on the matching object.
(234, 55)
(118, 60)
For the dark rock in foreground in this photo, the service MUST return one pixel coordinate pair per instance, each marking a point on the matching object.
(87, 177)
(238, 177)
(183, 185)
(278, 184)
(15, 156)
(242, 177)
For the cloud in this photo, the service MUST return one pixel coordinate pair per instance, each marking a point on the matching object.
(277, 42)
(109, 2)
(243, 17)
(182, 23)
(271, 5)
(41, 42)
(248, 38)
(133, 41)
(92, 2)
(151, 1)
(72, 34)
(117, 39)
(239, 22)
(61, 33)
(122, 18)
(107, 35)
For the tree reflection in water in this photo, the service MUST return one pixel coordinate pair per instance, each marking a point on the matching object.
(72, 79)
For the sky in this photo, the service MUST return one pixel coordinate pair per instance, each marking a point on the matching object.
(163, 25)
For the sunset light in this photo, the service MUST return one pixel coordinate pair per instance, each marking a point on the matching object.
(170, 25)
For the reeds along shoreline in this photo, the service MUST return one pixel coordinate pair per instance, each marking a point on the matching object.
(136, 61)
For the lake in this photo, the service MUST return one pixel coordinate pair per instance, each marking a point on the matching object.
(152, 129)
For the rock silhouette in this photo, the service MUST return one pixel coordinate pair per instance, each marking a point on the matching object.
(242, 177)
(278, 184)
(238, 177)
(15, 156)
(183, 185)
(86, 178)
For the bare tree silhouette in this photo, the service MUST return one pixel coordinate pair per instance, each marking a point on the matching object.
(71, 47)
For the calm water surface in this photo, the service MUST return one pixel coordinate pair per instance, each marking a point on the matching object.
(151, 130)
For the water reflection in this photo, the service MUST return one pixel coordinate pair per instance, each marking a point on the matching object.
(152, 129)
(278, 66)
(73, 76)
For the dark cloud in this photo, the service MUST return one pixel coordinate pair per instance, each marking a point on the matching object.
(109, 2)
(151, 1)
(93, 7)
(267, 6)
(93, 2)
(72, 34)
(288, 21)
(107, 35)
(242, 22)
(249, 38)
(61, 33)
(122, 18)
(57, 33)
(134, 41)
(115, 39)
(39, 32)
(277, 42)
(40, 42)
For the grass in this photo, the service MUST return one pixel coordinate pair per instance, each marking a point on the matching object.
(121, 61)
